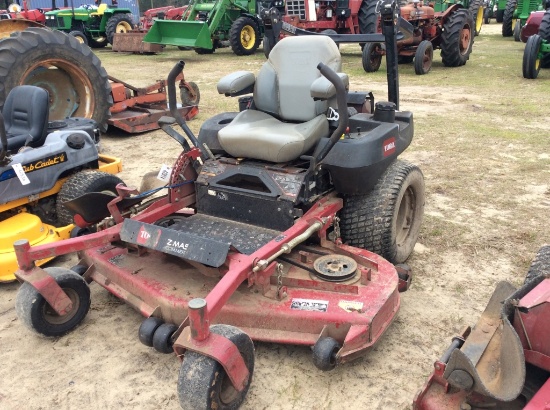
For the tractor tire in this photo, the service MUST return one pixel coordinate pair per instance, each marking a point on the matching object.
(203, 382)
(69, 71)
(486, 16)
(544, 33)
(387, 220)
(119, 23)
(367, 16)
(372, 57)
(531, 60)
(423, 57)
(540, 265)
(476, 8)
(244, 36)
(202, 51)
(457, 38)
(267, 46)
(80, 36)
(36, 313)
(517, 31)
(99, 42)
(508, 17)
(499, 16)
(79, 184)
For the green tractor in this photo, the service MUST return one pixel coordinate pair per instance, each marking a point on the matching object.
(210, 24)
(516, 14)
(475, 6)
(494, 9)
(92, 25)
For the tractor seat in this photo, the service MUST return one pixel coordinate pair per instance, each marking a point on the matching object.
(26, 117)
(100, 10)
(287, 121)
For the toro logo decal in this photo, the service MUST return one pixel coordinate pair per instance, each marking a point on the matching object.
(143, 236)
(389, 146)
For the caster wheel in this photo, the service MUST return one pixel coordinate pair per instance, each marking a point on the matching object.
(202, 381)
(147, 330)
(324, 353)
(162, 338)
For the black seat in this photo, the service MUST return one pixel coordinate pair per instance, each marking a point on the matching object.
(26, 117)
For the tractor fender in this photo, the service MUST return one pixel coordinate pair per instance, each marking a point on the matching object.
(257, 20)
(447, 13)
(12, 25)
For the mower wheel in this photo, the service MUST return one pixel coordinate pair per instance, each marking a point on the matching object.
(185, 95)
(372, 57)
(423, 57)
(324, 353)
(82, 183)
(202, 381)
(387, 220)
(162, 338)
(244, 36)
(476, 8)
(531, 60)
(508, 17)
(118, 23)
(79, 35)
(36, 313)
(540, 265)
(71, 73)
(147, 330)
(457, 38)
(79, 269)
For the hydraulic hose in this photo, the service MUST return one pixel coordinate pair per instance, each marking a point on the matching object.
(342, 106)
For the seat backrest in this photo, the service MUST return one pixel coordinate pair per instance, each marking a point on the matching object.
(26, 116)
(283, 84)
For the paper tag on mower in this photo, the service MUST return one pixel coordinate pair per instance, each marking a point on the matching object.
(164, 173)
(20, 172)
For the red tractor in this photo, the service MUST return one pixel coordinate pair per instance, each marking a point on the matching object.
(15, 11)
(452, 31)
(161, 13)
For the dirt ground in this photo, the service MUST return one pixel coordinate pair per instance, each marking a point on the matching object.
(481, 139)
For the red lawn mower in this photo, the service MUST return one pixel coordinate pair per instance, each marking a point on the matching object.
(262, 234)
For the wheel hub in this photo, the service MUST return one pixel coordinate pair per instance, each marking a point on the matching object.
(335, 268)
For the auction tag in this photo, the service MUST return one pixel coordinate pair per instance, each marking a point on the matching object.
(164, 173)
(20, 172)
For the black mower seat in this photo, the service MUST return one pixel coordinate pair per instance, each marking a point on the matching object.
(26, 117)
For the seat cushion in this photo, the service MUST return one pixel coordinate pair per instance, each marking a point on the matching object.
(255, 134)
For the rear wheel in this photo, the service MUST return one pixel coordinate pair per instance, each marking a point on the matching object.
(423, 58)
(368, 18)
(185, 95)
(544, 32)
(517, 30)
(531, 60)
(79, 35)
(476, 8)
(37, 314)
(499, 16)
(203, 382)
(387, 220)
(82, 183)
(119, 23)
(98, 42)
(507, 18)
(540, 265)
(244, 36)
(457, 39)
(372, 57)
(487, 16)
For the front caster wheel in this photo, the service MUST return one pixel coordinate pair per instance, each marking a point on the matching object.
(37, 314)
(202, 381)
(324, 353)
(162, 338)
(147, 330)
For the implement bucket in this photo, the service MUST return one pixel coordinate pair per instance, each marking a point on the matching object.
(180, 33)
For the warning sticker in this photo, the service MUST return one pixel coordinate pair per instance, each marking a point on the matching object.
(351, 306)
(309, 304)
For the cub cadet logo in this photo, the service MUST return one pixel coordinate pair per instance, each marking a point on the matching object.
(143, 235)
(389, 146)
(45, 162)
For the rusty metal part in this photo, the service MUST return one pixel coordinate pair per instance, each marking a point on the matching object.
(133, 42)
(335, 268)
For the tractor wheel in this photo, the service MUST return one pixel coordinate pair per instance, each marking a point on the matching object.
(37, 314)
(162, 338)
(486, 16)
(499, 16)
(185, 95)
(517, 30)
(266, 44)
(79, 35)
(531, 60)
(372, 57)
(423, 57)
(202, 381)
(119, 23)
(202, 51)
(330, 32)
(540, 265)
(457, 38)
(387, 220)
(71, 73)
(544, 32)
(244, 36)
(147, 330)
(476, 8)
(507, 17)
(367, 16)
(324, 353)
(79, 184)
(99, 42)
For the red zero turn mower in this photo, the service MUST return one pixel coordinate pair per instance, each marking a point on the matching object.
(504, 361)
(260, 235)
